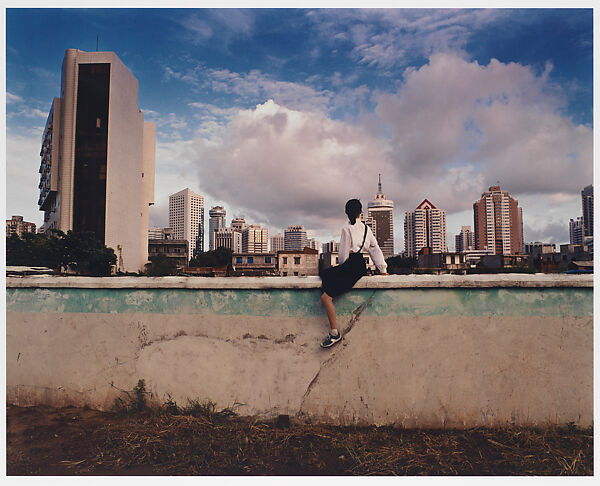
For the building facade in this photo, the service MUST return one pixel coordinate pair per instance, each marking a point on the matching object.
(424, 227)
(465, 240)
(186, 219)
(97, 157)
(228, 238)
(498, 223)
(254, 264)
(298, 263)
(255, 239)
(176, 250)
(587, 206)
(314, 244)
(216, 221)
(16, 226)
(239, 223)
(294, 238)
(277, 243)
(576, 231)
(381, 211)
(330, 247)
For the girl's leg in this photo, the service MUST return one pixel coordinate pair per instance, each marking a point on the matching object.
(330, 310)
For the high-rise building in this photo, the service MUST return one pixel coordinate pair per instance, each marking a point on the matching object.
(277, 243)
(255, 239)
(186, 219)
(587, 206)
(425, 226)
(464, 241)
(229, 238)
(16, 226)
(498, 223)
(313, 244)
(97, 157)
(216, 220)
(239, 223)
(294, 238)
(576, 231)
(381, 210)
(330, 247)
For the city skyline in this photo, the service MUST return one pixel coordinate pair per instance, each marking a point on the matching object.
(317, 116)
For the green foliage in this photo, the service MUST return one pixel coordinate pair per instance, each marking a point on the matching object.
(82, 251)
(401, 265)
(160, 265)
(215, 258)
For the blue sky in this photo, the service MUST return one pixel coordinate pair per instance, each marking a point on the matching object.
(283, 114)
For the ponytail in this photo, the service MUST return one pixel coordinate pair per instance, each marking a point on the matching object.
(353, 209)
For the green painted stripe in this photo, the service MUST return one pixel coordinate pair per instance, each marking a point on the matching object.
(306, 302)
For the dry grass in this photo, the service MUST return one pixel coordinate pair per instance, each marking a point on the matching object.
(201, 440)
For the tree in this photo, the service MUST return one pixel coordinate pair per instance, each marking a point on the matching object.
(161, 265)
(401, 265)
(215, 258)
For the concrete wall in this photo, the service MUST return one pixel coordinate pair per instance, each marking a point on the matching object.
(418, 351)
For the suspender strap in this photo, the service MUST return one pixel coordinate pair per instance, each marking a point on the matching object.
(364, 238)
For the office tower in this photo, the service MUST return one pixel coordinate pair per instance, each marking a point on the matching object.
(186, 219)
(216, 220)
(330, 247)
(16, 226)
(294, 238)
(239, 223)
(229, 238)
(425, 226)
(576, 231)
(498, 223)
(587, 206)
(313, 244)
(277, 243)
(255, 239)
(97, 157)
(464, 241)
(381, 210)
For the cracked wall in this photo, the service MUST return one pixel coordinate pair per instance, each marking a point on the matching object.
(458, 357)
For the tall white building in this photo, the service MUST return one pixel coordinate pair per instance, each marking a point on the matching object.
(277, 243)
(186, 219)
(98, 153)
(294, 238)
(255, 239)
(229, 238)
(381, 212)
(465, 240)
(425, 226)
(216, 220)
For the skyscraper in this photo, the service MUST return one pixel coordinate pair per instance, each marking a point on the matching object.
(277, 243)
(255, 239)
(587, 206)
(381, 210)
(464, 240)
(425, 226)
(97, 166)
(498, 223)
(576, 231)
(229, 238)
(294, 238)
(216, 220)
(186, 219)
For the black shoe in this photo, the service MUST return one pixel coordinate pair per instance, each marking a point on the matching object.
(330, 340)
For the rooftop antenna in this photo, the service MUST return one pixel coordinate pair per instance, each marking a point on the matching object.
(97, 42)
(379, 185)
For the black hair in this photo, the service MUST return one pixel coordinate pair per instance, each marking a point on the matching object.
(353, 209)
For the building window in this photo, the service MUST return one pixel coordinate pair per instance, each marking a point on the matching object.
(295, 274)
(296, 261)
(267, 259)
(285, 260)
(238, 259)
(285, 274)
(250, 259)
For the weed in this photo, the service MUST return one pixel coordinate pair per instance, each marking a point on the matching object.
(134, 402)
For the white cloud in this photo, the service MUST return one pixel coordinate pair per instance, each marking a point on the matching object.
(12, 98)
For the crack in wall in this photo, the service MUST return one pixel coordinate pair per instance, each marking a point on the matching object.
(355, 316)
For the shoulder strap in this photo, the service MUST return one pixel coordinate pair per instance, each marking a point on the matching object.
(364, 238)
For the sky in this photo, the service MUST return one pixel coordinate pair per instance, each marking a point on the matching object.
(281, 115)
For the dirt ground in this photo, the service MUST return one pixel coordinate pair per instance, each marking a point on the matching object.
(74, 441)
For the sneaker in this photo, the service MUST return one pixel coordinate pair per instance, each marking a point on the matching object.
(331, 340)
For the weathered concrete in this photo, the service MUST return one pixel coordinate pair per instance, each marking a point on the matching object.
(418, 351)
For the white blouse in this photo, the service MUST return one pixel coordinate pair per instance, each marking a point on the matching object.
(351, 239)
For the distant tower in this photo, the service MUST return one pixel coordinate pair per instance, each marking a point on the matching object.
(255, 239)
(277, 243)
(576, 231)
(294, 238)
(498, 223)
(381, 212)
(186, 219)
(425, 226)
(464, 240)
(98, 153)
(216, 221)
(587, 205)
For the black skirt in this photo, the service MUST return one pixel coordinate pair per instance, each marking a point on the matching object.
(341, 278)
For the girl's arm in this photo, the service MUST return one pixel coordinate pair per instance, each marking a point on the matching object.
(345, 242)
(375, 252)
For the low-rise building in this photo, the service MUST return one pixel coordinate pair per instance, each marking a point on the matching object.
(298, 263)
(177, 250)
(332, 258)
(246, 264)
(441, 262)
(16, 226)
